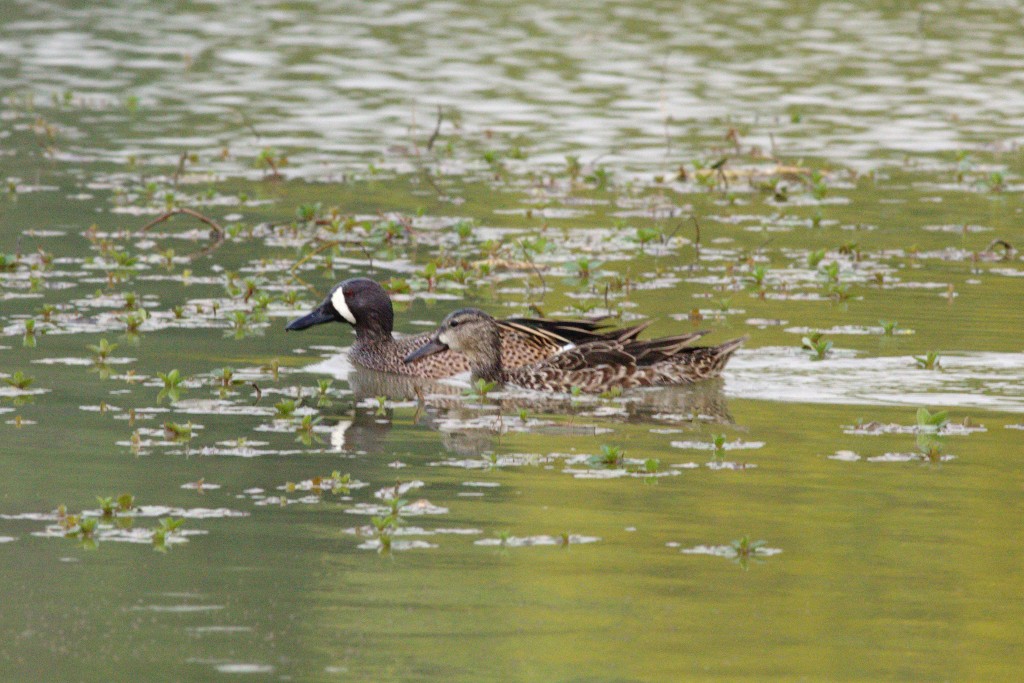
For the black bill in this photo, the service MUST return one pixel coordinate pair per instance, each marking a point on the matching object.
(320, 315)
(429, 349)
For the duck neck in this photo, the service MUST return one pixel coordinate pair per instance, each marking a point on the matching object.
(374, 327)
(490, 372)
(484, 355)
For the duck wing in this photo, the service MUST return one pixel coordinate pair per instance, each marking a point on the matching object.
(525, 341)
(601, 365)
(625, 351)
(565, 331)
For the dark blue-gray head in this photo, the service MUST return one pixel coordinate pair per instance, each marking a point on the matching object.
(360, 302)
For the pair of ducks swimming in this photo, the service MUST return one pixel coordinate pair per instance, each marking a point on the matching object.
(533, 353)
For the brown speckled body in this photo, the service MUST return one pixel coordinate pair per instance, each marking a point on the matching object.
(588, 368)
(521, 345)
(592, 367)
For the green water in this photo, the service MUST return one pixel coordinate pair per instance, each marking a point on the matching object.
(873, 165)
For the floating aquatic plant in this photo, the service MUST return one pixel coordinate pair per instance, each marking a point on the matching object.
(929, 361)
(133, 321)
(178, 433)
(286, 408)
(480, 388)
(931, 446)
(746, 549)
(107, 505)
(172, 385)
(29, 338)
(102, 350)
(19, 380)
(818, 346)
(609, 457)
(933, 422)
(168, 526)
(305, 430)
(718, 446)
(758, 273)
(226, 379)
(125, 502)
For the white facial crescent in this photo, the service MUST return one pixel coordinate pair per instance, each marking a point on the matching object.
(341, 306)
(443, 338)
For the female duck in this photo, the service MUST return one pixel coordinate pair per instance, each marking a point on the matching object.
(592, 367)
(363, 304)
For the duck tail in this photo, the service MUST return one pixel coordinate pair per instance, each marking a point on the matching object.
(650, 351)
(719, 355)
(627, 334)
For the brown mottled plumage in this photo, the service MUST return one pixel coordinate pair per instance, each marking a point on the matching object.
(592, 367)
(365, 305)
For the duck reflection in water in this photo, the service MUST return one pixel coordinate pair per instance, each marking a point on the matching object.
(471, 424)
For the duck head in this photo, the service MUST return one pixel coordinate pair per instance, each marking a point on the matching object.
(472, 333)
(360, 302)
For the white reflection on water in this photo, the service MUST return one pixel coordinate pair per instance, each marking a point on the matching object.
(340, 80)
(993, 381)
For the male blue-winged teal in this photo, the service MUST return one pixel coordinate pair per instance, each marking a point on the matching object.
(593, 367)
(363, 304)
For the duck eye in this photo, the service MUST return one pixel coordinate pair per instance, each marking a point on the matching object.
(454, 323)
